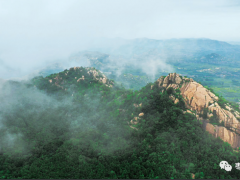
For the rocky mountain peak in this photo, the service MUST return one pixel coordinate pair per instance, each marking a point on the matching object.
(195, 95)
(197, 99)
(79, 74)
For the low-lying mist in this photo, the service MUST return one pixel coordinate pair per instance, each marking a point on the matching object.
(31, 118)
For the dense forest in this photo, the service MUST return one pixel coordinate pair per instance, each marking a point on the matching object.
(59, 127)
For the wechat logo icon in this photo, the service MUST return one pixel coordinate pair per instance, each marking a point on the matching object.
(225, 165)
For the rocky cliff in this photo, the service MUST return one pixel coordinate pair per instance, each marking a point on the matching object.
(197, 98)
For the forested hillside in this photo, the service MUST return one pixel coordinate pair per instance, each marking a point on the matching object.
(79, 124)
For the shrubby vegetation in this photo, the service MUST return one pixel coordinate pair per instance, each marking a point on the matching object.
(86, 135)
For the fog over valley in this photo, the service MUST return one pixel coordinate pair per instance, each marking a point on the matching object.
(35, 33)
(140, 89)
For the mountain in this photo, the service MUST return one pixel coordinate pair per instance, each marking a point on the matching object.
(213, 58)
(172, 47)
(207, 107)
(136, 62)
(78, 123)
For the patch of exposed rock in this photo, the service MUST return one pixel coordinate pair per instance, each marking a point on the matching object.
(137, 105)
(228, 136)
(93, 73)
(98, 76)
(188, 111)
(197, 98)
(135, 121)
(175, 100)
(82, 78)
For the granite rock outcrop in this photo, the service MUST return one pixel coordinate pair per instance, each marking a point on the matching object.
(92, 73)
(197, 98)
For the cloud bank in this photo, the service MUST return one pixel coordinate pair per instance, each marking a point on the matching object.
(36, 32)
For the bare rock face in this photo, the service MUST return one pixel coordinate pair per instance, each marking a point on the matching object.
(135, 120)
(132, 122)
(176, 101)
(94, 73)
(160, 81)
(103, 80)
(237, 114)
(172, 97)
(75, 68)
(188, 111)
(97, 76)
(228, 136)
(82, 78)
(172, 79)
(197, 98)
(137, 105)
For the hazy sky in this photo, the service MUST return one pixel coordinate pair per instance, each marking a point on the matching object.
(33, 32)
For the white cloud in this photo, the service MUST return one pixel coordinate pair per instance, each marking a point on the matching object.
(33, 32)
